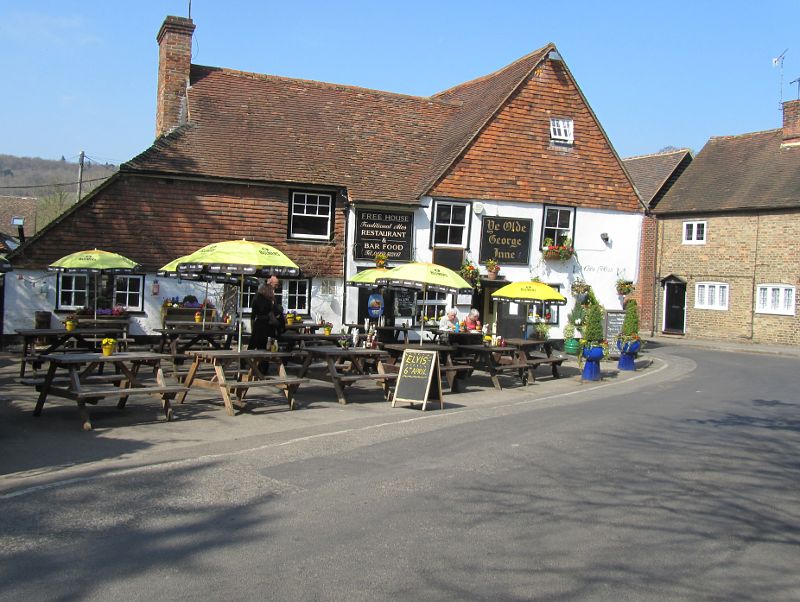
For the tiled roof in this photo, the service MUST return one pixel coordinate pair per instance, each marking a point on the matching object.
(17, 206)
(381, 146)
(734, 173)
(651, 172)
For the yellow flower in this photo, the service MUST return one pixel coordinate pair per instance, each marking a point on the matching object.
(108, 341)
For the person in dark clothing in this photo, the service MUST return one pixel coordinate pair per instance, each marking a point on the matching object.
(263, 322)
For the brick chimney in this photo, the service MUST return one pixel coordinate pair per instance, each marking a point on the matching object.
(791, 123)
(174, 62)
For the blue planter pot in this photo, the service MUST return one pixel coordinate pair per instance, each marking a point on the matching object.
(591, 367)
(627, 354)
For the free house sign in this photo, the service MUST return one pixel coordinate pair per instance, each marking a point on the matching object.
(390, 232)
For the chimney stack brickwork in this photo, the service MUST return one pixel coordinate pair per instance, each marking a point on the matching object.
(791, 122)
(174, 63)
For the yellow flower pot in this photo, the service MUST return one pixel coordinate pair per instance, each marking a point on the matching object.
(69, 325)
(198, 317)
(327, 331)
(290, 319)
(107, 349)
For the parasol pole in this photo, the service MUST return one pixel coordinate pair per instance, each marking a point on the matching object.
(422, 321)
(95, 296)
(239, 309)
(203, 307)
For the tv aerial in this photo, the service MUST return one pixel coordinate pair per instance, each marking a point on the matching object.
(778, 62)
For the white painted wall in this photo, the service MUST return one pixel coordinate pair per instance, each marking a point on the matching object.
(598, 263)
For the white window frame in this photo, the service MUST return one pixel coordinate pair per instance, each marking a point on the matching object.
(541, 308)
(72, 290)
(308, 204)
(450, 224)
(287, 295)
(128, 278)
(568, 231)
(708, 295)
(692, 239)
(776, 299)
(562, 130)
(432, 303)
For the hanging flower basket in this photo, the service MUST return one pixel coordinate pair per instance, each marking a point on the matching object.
(624, 287)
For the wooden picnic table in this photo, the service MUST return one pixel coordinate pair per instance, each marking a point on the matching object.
(229, 377)
(57, 339)
(179, 339)
(87, 381)
(488, 358)
(303, 340)
(298, 327)
(537, 352)
(347, 366)
(450, 368)
(208, 325)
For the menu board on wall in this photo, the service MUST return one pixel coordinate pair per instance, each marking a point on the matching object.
(614, 321)
(389, 232)
(506, 240)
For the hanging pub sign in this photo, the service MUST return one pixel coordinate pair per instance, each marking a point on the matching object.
(506, 240)
(375, 305)
(389, 232)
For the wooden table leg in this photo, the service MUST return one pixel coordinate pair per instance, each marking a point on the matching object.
(48, 380)
(223, 386)
(335, 380)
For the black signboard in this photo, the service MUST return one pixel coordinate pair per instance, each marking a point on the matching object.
(419, 379)
(614, 321)
(389, 232)
(405, 302)
(506, 240)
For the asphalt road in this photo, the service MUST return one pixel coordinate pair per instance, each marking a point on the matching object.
(683, 486)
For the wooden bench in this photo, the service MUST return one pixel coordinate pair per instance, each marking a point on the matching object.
(126, 391)
(38, 381)
(554, 362)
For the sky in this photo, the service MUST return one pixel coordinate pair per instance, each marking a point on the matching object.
(82, 75)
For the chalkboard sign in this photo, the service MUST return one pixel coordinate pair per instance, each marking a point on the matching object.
(419, 378)
(614, 321)
(506, 240)
(389, 232)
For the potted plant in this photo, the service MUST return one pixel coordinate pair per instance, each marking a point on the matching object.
(327, 327)
(469, 272)
(71, 322)
(628, 341)
(492, 268)
(562, 252)
(380, 259)
(108, 346)
(542, 330)
(624, 287)
(571, 344)
(593, 344)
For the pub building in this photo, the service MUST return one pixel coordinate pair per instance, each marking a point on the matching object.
(332, 174)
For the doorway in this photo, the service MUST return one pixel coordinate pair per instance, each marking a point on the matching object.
(674, 307)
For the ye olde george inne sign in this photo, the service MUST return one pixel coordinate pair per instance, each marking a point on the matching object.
(389, 232)
(506, 240)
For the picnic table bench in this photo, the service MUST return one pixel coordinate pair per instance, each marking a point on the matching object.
(528, 351)
(346, 366)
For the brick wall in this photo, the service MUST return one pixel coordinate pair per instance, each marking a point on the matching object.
(742, 251)
(174, 63)
(645, 286)
(513, 158)
(155, 220)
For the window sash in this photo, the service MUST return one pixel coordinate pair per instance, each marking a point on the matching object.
(561, 130)
(450, 225)
(295, 296)
(128, 292)
(711, 295)
(694, 233)
(73, 291)
(311, 215)
(775, 299)
(557, 224)
(542, 309)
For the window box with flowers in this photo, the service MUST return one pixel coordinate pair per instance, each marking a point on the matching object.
(624, 287)
(562, 252)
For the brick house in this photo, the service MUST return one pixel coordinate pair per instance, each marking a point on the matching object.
(729, 239)
(653, 175)
(333, 174)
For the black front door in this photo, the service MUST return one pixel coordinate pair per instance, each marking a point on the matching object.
(675, 301)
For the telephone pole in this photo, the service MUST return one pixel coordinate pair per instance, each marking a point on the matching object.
(80, 175)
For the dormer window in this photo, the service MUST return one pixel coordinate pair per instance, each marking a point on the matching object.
(561, 130)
